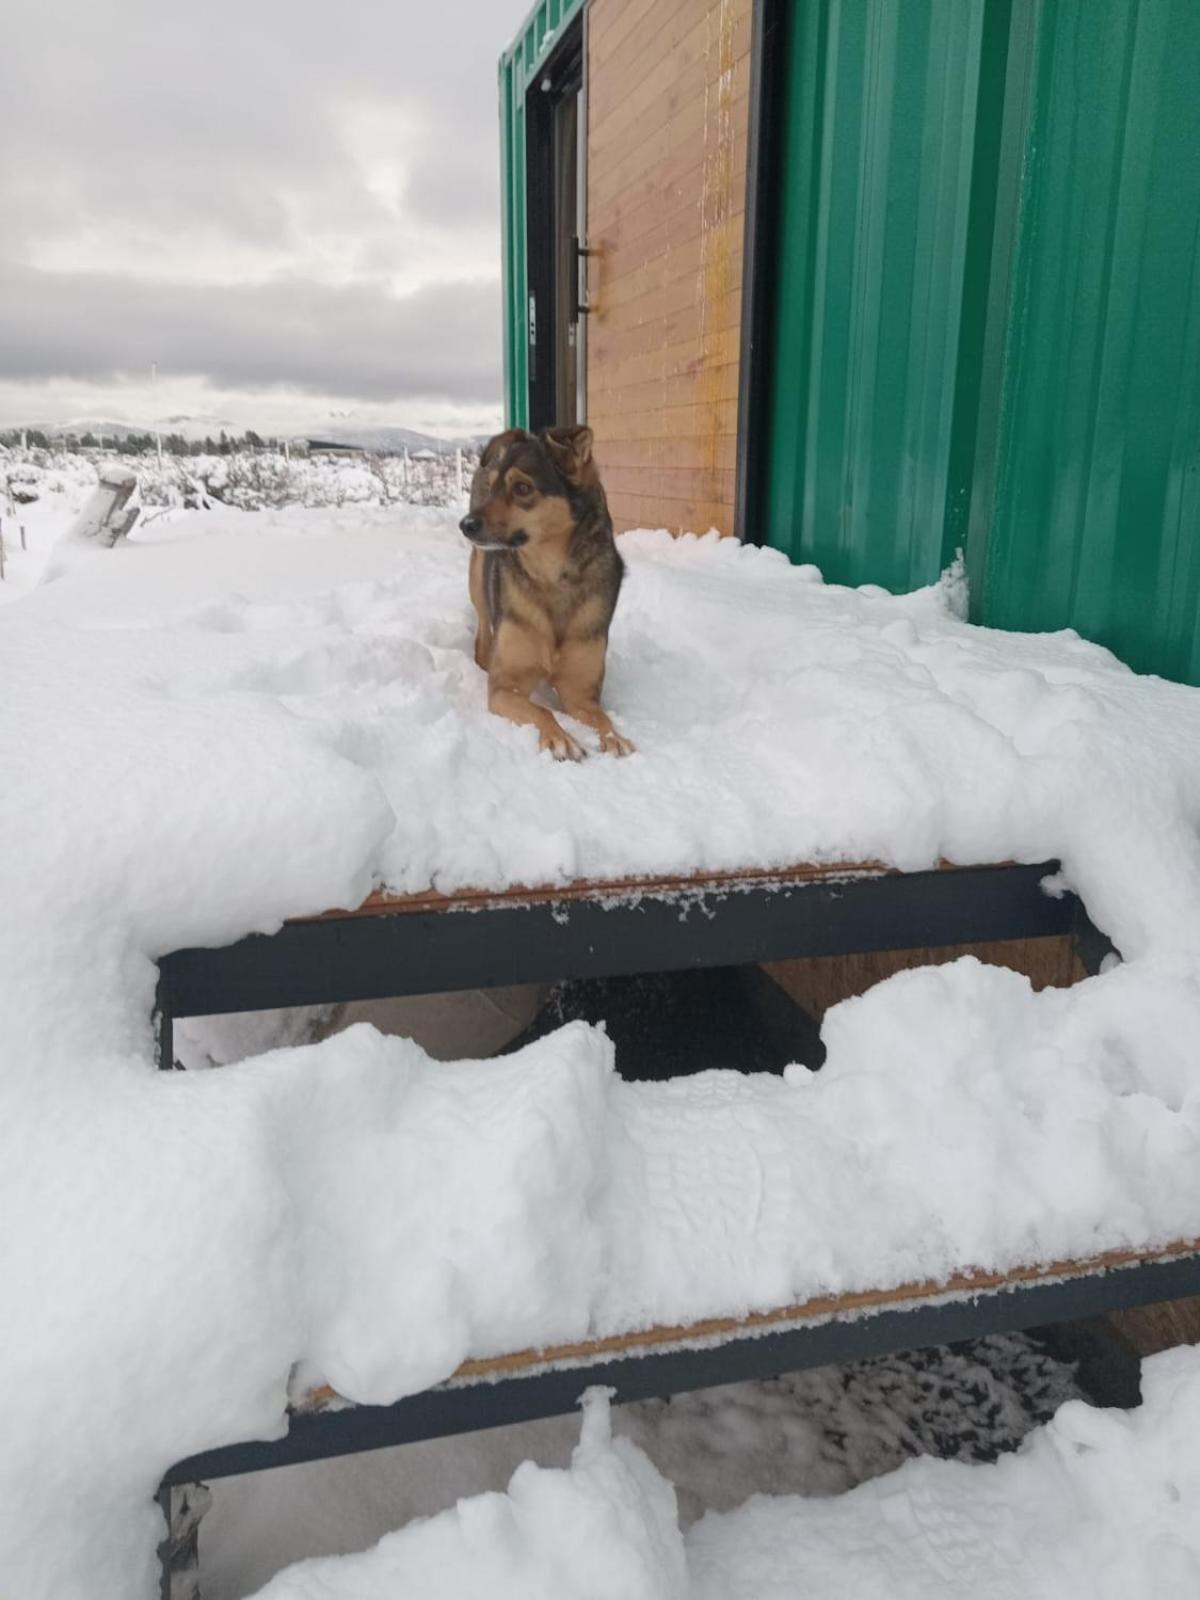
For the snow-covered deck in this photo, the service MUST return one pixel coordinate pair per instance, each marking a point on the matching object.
(240, 720)
(645, 1363)
(407, 943)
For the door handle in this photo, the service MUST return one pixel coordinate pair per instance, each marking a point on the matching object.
(579, 252)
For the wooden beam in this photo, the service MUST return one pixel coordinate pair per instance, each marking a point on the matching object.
(385, 903)
(971, 1283)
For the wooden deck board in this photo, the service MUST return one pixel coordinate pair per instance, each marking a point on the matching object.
(821, 1308)
(384, 902)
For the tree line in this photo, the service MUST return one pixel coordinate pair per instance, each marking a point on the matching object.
(142, 444)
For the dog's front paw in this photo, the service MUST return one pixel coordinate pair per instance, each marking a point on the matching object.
(614, 744)
(561, 745)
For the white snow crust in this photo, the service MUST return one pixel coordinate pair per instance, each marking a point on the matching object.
(242, 717)
(1097, 1505)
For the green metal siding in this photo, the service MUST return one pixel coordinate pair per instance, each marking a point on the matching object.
(986, 315)
(873, 237)
(1095, 521)
(540, 34)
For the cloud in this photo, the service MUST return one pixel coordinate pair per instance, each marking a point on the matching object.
(354, 339)
(265, 193)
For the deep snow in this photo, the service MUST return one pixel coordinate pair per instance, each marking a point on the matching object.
(1098, 1505)
(243, 717)
(810, 1433)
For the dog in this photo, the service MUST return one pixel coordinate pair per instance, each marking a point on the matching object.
(544, 580)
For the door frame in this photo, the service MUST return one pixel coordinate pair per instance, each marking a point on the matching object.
(553, 35)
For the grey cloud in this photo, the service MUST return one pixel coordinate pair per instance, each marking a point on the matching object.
(143, 121)
(126, 109)
(356, 340)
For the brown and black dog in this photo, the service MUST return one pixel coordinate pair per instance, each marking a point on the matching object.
(545, 576)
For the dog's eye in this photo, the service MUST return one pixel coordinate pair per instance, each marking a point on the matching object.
(522, 490)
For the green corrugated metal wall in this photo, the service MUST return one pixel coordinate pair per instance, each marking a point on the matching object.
(987, 308)
(519, 65)
(873, 228)
(1095, 518)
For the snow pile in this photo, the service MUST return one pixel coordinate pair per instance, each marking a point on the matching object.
(1098, 1503)
(244, 717)
(482, 1176)
(41, 493)
(810, 1433)
(960, 1120)
(538, 1199)
(606, 1527)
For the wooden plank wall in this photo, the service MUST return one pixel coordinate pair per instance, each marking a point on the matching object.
(668, 99)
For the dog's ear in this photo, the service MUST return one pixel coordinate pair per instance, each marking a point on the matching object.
(571, 451)
(496, 446)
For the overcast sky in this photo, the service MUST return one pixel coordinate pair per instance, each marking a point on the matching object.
(291, 207)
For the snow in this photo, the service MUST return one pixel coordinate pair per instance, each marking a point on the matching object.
(43, 491)
(1096, 1504)
(238, 717)
(812, 1433)
(62, 484)
(606, 1527)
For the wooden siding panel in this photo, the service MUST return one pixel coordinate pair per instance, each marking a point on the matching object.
(668, 96)
(824, 981)
(652, 102)
(628, 39)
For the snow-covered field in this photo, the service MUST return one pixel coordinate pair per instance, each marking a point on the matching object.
(237, 717)
(42, 490)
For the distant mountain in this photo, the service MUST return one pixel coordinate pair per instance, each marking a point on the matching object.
(199, 427)
(381, 439)
(388, 440)
(100, 426)
(109, 428)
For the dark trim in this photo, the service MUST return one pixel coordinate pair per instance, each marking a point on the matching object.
(1091, 945)
(164, 1027)
(390, 953)
(564, 71)
(539, 256)
(759, 250)
(466, 1408)
(1009, 163)
(972, 398)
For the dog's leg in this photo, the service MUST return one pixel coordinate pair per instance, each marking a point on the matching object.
(518, 665)
(579, 678)
(483, 623)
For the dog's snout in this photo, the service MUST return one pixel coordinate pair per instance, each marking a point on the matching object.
(471, 525)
